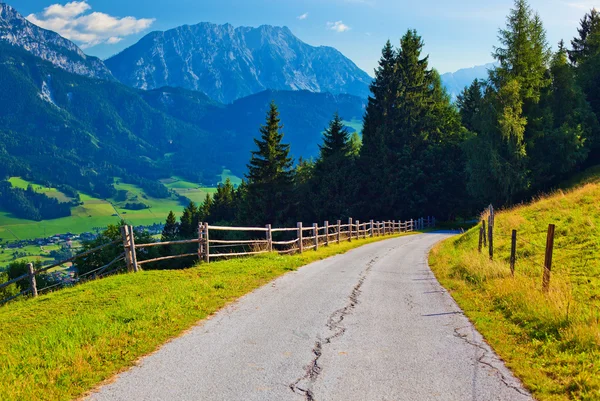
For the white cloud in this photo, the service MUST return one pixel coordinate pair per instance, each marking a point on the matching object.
(303, 16)
(338, 26)
(72, 22)
(583, 5)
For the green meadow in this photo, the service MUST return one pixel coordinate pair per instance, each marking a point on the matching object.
(551, 341)
(95, 213)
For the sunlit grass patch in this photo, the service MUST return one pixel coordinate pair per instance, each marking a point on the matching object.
(551, 341)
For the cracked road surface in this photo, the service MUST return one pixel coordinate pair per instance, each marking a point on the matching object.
(372, 324)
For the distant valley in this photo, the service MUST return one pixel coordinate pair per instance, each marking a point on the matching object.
(184, 103)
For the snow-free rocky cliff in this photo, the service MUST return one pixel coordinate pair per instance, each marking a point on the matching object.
(48, 45)
(229, 63)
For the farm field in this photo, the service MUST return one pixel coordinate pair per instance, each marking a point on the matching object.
(95, 213)
(551, 341)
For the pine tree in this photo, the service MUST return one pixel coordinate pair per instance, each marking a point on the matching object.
(583, 47)
(376, 123)
(525, 55)
(568, 128)
(333, 178)
(355, 144)
(270, 174)
(204, 209)
(188, 227)
(335, 139)
(223, 208)
(469, 103)
(171, 229)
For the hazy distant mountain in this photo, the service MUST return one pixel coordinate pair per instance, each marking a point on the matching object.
(455, 82)
(229, 63)
(48, 45)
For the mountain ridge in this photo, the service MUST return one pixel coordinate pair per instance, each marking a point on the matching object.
(228, 62)
(48, 45)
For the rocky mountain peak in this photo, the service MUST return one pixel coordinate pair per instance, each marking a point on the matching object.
(18, 31)
(228, 62)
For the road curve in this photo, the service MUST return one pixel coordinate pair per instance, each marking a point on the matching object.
(372, 324)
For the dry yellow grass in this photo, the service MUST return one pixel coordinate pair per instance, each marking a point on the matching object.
(551, 341)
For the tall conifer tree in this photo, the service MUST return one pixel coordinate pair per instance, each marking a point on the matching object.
(270, 175)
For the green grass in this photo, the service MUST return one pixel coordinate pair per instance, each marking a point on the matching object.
(18, 182)
(97, 212)
(355, 124)
(60, 345)
(551, 341)
(235, 180)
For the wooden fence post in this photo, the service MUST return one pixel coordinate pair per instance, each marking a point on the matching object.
(480, 238)
(548, 259)
(349, 229)
(326, 233)
(316, 233)
(357, 229)
(513, 252)
(127, 247)
(411, 225)
(32, 282)
(200, 239)
(484, 232)
(491, 237)
(206, 244)
(134, 262)
(339, 229)
(300, 240)
(269, 238)
(371, 225)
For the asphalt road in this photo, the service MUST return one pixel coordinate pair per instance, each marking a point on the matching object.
(372, 324)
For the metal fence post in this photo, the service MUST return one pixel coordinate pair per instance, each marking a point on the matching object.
(316, 233)
(327, 233)
(339, 229)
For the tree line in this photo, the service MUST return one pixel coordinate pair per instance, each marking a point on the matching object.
(530, 124)
(31, 205)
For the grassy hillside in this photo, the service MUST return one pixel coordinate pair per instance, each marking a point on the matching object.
(98, 213)
(73, 339)
(551, 341)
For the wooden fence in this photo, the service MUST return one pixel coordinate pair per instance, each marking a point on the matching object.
(281, 240)
(486, 239)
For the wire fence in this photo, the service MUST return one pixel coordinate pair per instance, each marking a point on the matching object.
(544, 251)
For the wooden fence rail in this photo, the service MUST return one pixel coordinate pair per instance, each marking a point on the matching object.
(317, 236)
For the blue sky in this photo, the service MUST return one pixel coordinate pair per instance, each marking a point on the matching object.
(457, 34)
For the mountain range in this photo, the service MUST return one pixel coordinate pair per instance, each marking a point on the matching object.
(455, 82)
(229, 63)
(185, 102)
